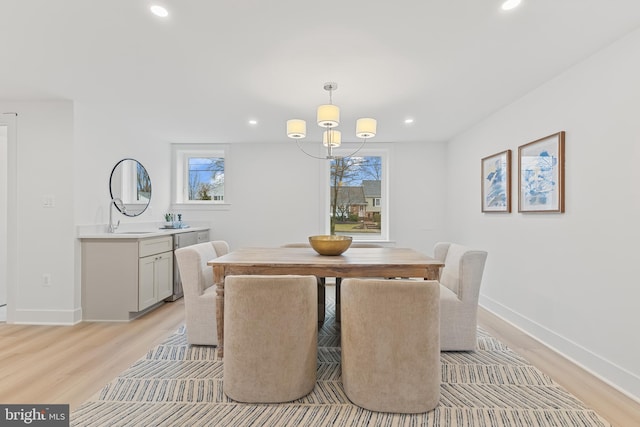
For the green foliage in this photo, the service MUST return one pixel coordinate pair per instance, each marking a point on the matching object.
(203, 192)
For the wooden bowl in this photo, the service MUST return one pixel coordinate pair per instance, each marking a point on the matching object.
(330, 245)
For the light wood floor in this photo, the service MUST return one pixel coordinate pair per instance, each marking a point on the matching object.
(615, 407)
(69, 364)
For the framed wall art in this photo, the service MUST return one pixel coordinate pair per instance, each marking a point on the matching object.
(496, 182)
(541, 175)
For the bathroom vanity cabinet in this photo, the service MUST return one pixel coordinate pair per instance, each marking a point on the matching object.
(126, 275)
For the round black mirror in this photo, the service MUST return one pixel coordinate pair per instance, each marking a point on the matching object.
(130, 187)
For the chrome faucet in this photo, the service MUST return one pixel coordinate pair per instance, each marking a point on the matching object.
(112, 227)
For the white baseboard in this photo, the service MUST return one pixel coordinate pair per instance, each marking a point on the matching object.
(47, 317)
(616, 376)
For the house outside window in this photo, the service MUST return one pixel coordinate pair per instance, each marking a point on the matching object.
(357, 188)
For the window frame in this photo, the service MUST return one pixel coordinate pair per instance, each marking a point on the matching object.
(180, 154)
(369, 150)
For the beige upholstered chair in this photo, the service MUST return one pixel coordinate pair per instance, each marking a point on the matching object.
(460, 280)
(390, 344)
(270, 337)
(199, 290)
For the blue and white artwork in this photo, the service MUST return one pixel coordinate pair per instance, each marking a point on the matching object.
(540, 175)
(538, 178)
(495, 183)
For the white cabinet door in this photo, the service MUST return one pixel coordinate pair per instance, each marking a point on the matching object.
(164, 275)
(146, 282)
(156, 279)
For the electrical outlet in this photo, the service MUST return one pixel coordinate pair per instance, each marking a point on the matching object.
(48, 201)
(46, 279)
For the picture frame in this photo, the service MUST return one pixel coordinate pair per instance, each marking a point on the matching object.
(496, 182)
(541, 175)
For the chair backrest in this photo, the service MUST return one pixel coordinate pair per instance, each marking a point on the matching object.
(402, 375)
(462, 271)
(192, 261)
(271, 337)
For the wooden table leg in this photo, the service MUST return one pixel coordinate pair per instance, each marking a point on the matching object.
(321, 300)
(432, 273)
(218, 279)
(338, 282)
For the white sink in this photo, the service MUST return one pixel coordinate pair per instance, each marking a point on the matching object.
(134, 232)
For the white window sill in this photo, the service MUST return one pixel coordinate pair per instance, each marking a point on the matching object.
(200, 206)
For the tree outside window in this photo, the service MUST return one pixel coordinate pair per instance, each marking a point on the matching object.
(199, 175)
(356, 195)
(143, 184)
(206, 178)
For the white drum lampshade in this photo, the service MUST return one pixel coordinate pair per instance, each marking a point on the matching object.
(366, 128)
(333, 137)
(296, 128)
(328, 116)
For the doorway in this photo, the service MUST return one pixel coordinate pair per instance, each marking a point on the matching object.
(8, 200)
(4, 151)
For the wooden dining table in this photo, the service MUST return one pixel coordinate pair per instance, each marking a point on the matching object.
(355, 262)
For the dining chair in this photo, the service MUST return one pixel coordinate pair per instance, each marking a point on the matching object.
(390, 344)
(199, 290)
(270, 337)
(460, 281)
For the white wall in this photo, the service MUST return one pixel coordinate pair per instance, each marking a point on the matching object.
(4, 154)
(45, 236)
(276, 195)
(569, 279)
(274, 189)
(418, 191)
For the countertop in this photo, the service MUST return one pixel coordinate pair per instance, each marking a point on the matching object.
(132, 232)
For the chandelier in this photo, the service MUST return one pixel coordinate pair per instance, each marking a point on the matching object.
(328, 117)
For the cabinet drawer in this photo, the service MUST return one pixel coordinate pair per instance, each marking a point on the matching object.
(203, 236)
(155, 246)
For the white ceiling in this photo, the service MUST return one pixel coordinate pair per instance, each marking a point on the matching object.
(201, 74)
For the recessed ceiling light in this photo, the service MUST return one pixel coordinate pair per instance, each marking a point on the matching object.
(253, 122)
(408, 121)
(159, 11)
(510, 4)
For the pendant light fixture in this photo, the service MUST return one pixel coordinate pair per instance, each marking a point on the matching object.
(328, 117)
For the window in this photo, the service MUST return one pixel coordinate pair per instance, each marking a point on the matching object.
(199, 174)
(357, 191)
(205, 178)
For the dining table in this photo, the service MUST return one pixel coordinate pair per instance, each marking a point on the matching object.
(385, 262)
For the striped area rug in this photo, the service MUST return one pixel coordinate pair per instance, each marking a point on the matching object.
(180, 385)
